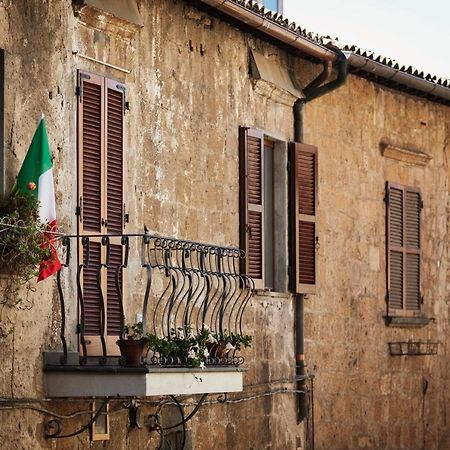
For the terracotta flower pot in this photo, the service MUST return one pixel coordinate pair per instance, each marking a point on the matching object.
(132, 351)
(218, 350)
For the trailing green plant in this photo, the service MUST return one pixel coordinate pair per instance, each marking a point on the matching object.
(194, 349)
(134, 332)
(21, 249)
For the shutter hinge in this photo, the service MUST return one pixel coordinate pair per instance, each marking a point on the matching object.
(421, 204)
(288, 167)
(421, 299)
(78, 330)
(387, 296)
(127, 105)
(78, 91)
(79, 210)
(289, 271)
(387, 199)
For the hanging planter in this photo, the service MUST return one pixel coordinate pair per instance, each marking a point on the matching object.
(21, 245)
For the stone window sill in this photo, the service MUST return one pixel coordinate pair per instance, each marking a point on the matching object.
(408, 322)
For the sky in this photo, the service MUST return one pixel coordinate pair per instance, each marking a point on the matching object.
(414, 32)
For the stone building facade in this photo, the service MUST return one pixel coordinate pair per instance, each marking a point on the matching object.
(191, 83)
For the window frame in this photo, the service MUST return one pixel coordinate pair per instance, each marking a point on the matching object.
(284, 228)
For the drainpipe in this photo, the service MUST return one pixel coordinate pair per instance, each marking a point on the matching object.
(315, 89)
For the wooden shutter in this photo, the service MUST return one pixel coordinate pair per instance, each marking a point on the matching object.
(113, 304)
(101, 109)
(91, 292)
(403, 250)
(251, 143)
(413, 204)
(115, 110)
(91, 145)
(114, 156)
(303, 183)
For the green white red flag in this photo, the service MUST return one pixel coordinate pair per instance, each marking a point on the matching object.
(36, 177)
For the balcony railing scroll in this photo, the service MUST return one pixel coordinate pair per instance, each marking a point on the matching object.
(182, 285)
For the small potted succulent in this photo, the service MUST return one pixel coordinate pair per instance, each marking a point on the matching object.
(134, 345)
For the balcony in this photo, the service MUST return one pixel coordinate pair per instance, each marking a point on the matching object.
(174, 288)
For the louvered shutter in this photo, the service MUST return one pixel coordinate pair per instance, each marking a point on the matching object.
(91, 144)
(252, 202)
(403, 250)
(113, 304)
(303, 163)
(413, 205)
(101, 109)
(115, 110)
(114, 156)
(91, 293)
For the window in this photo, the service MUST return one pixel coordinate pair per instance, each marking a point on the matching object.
(101, 208)
(403, 208)
(266, 228)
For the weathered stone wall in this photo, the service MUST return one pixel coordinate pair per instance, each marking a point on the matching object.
(365, 398)
(189, 90)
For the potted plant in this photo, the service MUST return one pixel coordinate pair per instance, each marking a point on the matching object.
(224, 343)
(133, 345)
(21, 243)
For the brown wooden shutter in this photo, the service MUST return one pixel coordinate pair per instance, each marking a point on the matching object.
(251, 143)
(101, 171)
(91, 292)
(114, 155)
(403, 250)
(413, 206)
(91, 145)
(113, 304)
(303, 163)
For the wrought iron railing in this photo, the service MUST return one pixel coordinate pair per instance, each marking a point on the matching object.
(182, 285)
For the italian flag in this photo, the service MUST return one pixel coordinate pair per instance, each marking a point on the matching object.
(36, 177)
